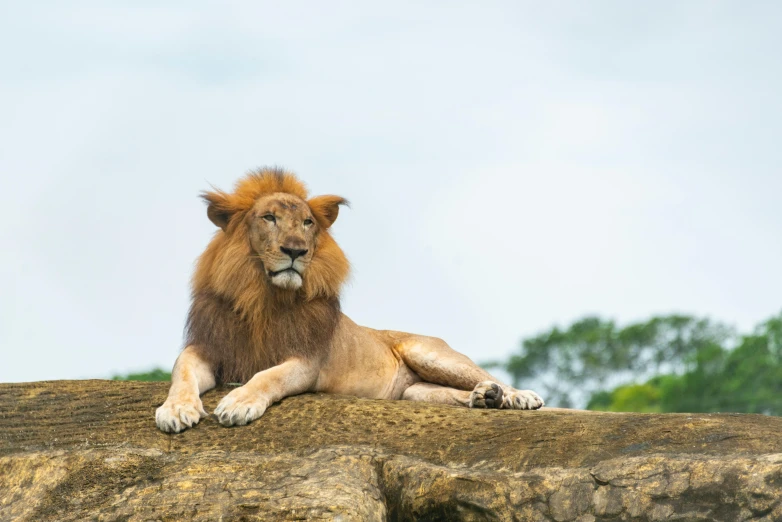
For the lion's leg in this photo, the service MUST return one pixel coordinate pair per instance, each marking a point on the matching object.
(486, 394)
(437, 363)
(427, 392)
(190, 377)
(248, 402)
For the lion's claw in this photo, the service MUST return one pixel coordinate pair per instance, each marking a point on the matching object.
(239, 408)
(177, 415)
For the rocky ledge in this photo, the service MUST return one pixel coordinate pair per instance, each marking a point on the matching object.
(89, 450)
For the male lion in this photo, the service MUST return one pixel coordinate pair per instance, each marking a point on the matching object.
(266, 313)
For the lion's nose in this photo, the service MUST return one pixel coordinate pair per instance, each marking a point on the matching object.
(293, 252)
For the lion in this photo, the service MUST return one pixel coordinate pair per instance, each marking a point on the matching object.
(266, 313)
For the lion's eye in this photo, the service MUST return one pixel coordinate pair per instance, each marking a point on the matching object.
(307, 222)
(270, 218)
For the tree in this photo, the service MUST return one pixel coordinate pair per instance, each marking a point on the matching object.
(714, 378)
(153, 375)
(568, 366)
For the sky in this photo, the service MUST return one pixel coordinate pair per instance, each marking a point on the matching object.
(511, 165)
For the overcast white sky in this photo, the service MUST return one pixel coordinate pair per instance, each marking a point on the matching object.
(512, 165)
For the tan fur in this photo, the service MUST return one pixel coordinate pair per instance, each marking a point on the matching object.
(266, 313)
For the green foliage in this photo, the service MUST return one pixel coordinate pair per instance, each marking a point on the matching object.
(153, 375)
(568, 366)
(643, 398)
(667, 364)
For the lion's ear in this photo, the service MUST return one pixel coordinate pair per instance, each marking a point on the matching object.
(326, 208)
(220, 209)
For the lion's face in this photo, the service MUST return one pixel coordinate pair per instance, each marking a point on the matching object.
(272, 233)
(283, 233)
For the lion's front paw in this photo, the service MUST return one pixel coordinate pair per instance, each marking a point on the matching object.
(487, 394)
(177, 414)
(240, 407)
(514, 399)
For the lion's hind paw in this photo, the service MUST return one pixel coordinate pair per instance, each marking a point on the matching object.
(487, 394)
(521, 400)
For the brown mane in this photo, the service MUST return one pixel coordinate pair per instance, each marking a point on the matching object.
(239, 322)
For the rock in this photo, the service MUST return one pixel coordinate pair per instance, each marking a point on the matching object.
(90, 450)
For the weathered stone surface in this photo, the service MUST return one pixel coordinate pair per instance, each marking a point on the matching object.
(89, 450)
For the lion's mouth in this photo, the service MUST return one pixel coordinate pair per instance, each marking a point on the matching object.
(288, 278)
(278, 272)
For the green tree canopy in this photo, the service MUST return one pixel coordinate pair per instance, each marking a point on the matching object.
(568, 365)
(153, 375)
(668, 363)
